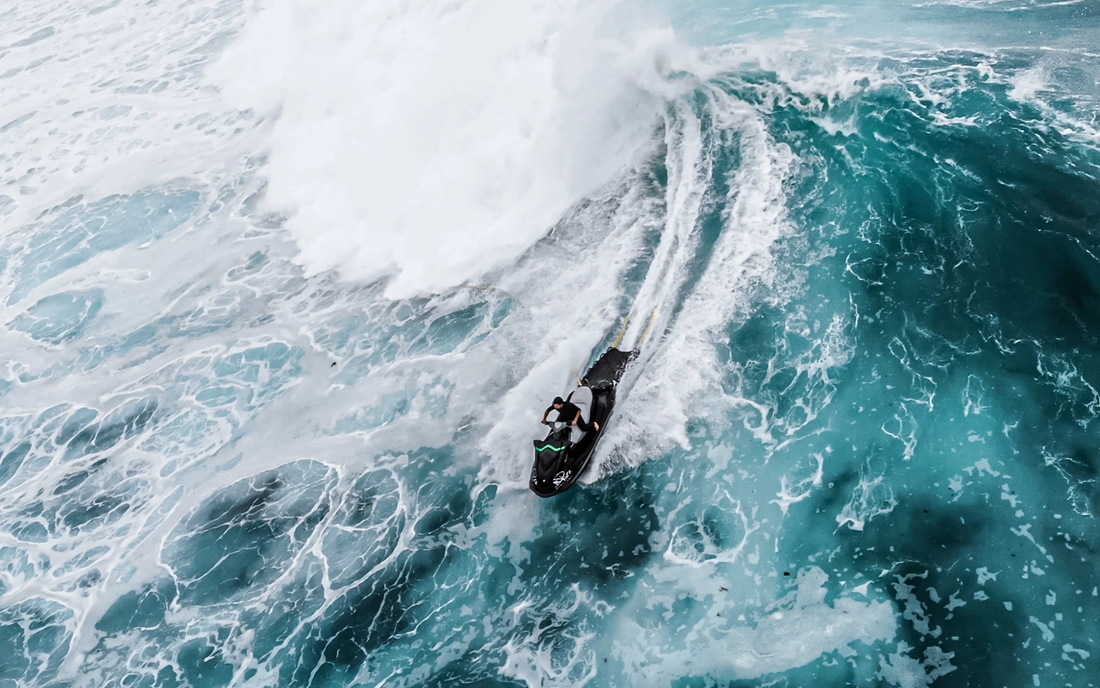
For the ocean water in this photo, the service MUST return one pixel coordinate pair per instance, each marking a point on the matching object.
(286, 285)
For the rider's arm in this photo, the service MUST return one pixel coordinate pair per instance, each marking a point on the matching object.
(577, 419)
(546, 413)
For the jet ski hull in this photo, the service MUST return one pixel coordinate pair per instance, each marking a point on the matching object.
(559, 462)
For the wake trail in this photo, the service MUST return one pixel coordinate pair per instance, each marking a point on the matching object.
(697, 290)
(689, 166)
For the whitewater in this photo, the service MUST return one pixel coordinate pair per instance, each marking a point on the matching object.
(286, 285)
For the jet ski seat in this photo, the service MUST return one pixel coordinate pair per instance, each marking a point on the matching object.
(582, 397)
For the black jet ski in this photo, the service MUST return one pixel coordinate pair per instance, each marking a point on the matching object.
(564, 454)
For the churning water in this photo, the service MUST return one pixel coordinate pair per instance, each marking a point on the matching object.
(286, 287)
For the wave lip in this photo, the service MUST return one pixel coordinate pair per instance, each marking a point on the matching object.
(431, 142)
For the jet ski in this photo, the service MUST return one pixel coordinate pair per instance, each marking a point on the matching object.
(565, 453)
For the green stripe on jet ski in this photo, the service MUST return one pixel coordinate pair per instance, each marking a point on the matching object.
(548, 446)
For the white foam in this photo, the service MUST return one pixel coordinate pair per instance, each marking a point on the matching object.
(899, 669)
(1028, 83)
(798, 485)
(683, 364)
(108, 100)
(793, 632)
(539, 653)
(189, 282)
(871, 497)
(433, 141)
(691, 541)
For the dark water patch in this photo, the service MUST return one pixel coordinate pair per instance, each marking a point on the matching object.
(976, 632)
(97, 509)
(202, 664)
(1056, 415)
(256, 261)
(128, 420)
(373, 614)
(469, 672)
(1081, 466)
(1078, 292)
(34, 640)
(450, 507)
(385, 597)
(79, 231)
(596, 536)
(1003, 238)
(373, 496)
(239, 540)
(753, 343)
(276, 621)
(447, 332)
(368, 526)
(28, 531)
(842, 484)
(965, 248)
(77, 421)
(433, 521)
(143, 609)
(49, 421)
(12, 461)
(954, 589)
(86, 500)
(247, 534)
(74, 480)
(389, 598)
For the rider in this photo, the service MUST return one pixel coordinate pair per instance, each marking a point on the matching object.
(567, 410)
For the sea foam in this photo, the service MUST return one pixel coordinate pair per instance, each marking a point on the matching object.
(430, 142)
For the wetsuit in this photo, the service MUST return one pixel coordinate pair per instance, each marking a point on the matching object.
(568, 412)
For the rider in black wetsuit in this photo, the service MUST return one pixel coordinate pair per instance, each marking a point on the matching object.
(567, 410)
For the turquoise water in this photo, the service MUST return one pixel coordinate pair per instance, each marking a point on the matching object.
(859, 447)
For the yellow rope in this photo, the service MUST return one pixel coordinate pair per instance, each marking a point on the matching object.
(646, 332)
(615, 344)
